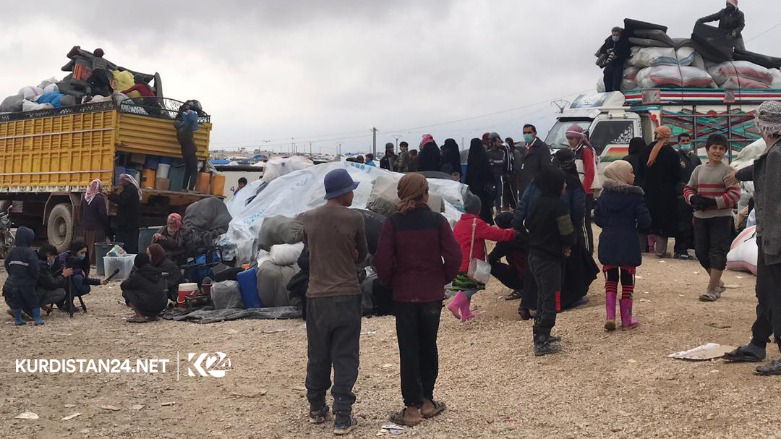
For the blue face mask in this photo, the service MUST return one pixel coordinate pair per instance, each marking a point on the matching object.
(615, 38)
(528, 138)
(82, 256)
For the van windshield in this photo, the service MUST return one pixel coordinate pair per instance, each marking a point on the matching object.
(556, 137)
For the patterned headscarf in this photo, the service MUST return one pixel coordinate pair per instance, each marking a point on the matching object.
(94, 188)
(663, 136)
(427, 138)
(577, 132)
(768, 118)
(178, 226)
(411, 188)
(131, 180)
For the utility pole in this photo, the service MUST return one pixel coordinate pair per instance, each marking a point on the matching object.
(397, 136)
(374, 141)
(310, 149)
(292, 146)
(339, 149)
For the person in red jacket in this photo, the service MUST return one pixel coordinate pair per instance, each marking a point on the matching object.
(463, 232)
(417, 256)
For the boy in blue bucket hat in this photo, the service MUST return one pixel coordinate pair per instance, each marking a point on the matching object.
(336, 238)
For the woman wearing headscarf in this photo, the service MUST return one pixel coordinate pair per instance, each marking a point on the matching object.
(480, 179)
(169, 237)
(417, 256)
(580, 270)
(588, 170)
(144, 290)
(94, 217)
(171, 272)
(451, 158)
(660, 172)
(128, 218)
(429, 157)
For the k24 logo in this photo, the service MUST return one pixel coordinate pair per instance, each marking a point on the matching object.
(213, 364)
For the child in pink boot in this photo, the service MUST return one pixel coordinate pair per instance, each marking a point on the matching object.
(620, 211)
(460, 306)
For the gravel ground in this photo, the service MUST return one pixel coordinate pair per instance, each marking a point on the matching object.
(603, 384)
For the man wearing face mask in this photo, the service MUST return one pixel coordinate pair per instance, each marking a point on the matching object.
(689, 160)
(530, 158)
(50, 286)
(731, 20)
(612, 56)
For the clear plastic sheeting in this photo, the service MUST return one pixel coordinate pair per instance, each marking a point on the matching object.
(294, 193)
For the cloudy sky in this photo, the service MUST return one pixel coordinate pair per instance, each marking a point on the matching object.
(275, 72)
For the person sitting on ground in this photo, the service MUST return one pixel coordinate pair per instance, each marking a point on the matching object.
(551, 237)
(620, 211)
(76, 258)
(171, 272)
(712, 201)
(516, 252)
(144, 291)
(416, 256)
(731, 20)
(21, 264)
(170, 238)
(51, 285)
(471, 232)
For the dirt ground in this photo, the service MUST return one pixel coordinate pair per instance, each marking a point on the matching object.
(603, 385)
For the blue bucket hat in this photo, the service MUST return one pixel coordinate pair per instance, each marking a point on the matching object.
(337, 183)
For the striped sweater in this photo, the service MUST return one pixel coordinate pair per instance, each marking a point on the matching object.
(708, 180)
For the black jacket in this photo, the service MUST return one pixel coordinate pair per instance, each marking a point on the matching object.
(145, 289)
(47, 279)
(550, 228)
(621, 48)
(21, 264)
(128, 208)
(728, 21)
(94, 215)
(429, 158)
(533, 157)
(689, 161)
(173, 276)
(389, 163)
(620, 211)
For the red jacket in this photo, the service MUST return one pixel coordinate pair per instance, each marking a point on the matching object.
(463, 233)
(417, 256)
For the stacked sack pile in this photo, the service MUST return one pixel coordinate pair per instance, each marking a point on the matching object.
(707, 60)
(79, 86)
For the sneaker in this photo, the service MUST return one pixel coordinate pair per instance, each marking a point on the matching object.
(770, 369)
(318, 416)
(546, 347)
(683, 256)
(344, 425)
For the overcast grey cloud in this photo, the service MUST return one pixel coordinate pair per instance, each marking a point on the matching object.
(328, 71)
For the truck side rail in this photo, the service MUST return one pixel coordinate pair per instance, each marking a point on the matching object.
(161, 108)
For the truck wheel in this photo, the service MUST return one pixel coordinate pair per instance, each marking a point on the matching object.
(59, 227)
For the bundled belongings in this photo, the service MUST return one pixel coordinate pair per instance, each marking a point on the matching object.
(714, 44)
(272, 283)
(674, 76)
(279, 230)
(743, 253)
(741, 74)
(226, 295)
(763, 60)
(203, 222)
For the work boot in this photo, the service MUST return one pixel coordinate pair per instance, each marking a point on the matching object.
(37, 317)
(610, 309)
(627, 321)
(318, 415)
(344, 424)
(456, 303)
(545, 345)
(749, 353)
(770, 369)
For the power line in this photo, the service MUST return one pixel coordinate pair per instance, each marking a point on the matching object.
(763, 33)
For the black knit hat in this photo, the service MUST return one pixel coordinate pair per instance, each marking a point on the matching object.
(550, 180)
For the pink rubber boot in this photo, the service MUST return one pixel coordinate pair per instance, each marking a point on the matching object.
(627, 321)
(457, 303)
(466, 312)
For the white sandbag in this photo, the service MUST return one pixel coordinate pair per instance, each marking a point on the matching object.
(776, 79)
(744, 252)
(742, 69)
(33, 106)
(628, 84)
(699, 61)
(286, 254)
(601, 85)
(630, 73)
(227, 295)
(11, 104)
(738, 83)
(278, 166)
(272, 283)
(47, 82)
(295, 193)
(654, 56)
(30, 92)
(51, 88)
(674, 76)
(685, 56)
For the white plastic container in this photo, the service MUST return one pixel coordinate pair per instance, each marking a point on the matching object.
(123, 263)
(162, 170)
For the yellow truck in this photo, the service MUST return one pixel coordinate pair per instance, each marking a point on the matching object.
(49, 157)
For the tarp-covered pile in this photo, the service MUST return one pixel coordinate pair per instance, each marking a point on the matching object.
(92, 78)
(706, 60)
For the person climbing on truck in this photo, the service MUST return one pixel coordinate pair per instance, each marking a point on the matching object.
(731, 20)
(186, 124)
(611, 57)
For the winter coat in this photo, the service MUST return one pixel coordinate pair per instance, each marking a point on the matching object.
(94, 215)
(128, 208)
(145, 289)
(21, 263)
(767, 191)
(429, 158)
(172, 244)
(620, 211)
(689, 161)
(483, 232)
(621, 48)
(659, 184)
(47, 280)
(574, 197)
(390, 163)
(80, 268)
(532, 159)
(451, 159)
(417, 256)
(173, 276)
(729, 22)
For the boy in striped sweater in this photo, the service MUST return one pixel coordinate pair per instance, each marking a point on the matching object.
(712, 201)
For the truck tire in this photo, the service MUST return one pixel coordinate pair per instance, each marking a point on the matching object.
(59, 227)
